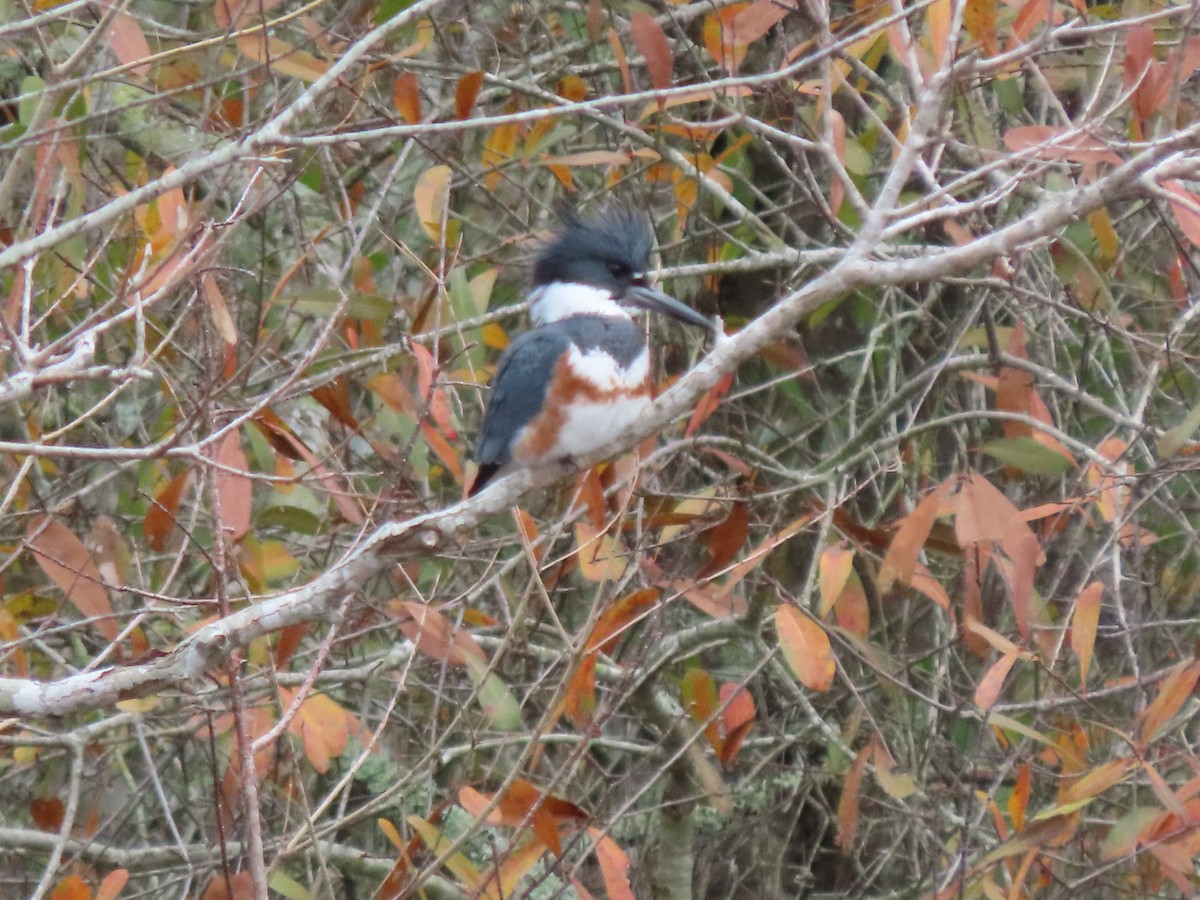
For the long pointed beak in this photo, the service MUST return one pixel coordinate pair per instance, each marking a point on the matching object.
(656, 301)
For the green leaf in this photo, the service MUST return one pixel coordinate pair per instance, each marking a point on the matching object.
(1173, 441)
(498, 703)
(289, 887)
(1028, 455)
(360, 306)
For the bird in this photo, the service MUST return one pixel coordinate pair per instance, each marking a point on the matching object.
(581, 375)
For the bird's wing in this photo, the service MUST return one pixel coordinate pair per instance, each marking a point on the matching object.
(518, 392)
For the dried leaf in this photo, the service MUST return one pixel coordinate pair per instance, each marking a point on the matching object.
(736, 721)
(406, 95)
(726, 538)
(1172, 694)
(323, 725)
(281, 57)
(65, 560)
(806, 648)
(431, 198)
(900, 563)
(648, 35)
(1084, 622)
(708, 404)
(112, 885)
(698, 694)
(992, 681)
(234, 488)
(848, 803)
(1018, 800)
(614, 866)
(466, 93)
(833, 569)
(163, 510)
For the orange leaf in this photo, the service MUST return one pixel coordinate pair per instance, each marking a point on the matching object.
(980, 18)
(62, 556)
(323, 725)
(726, 538)
(160, 517)
(698, 693)
(900, 563)
(652, 42)
(579, 697)
(720, 37)
(614, 621)
(432, 392)
(435, 635)
(443, 450)
(848, 803)
(806, 648)
(71, 888)
(1172, 694)
(614, 866)
(937, 17)
(833, 570)
(240, 886)
(850, 608)
(601, 557)
(112, 885)
(1053, 142)
(708, 404)
(757, 19)
(499, 148)
(993, 680)
(736, 721)
(1185, 214)
(281, 56)
(218, 309)
(618, 49)
(406, 95)
(1084, 622)
(720, 604)
(1018, 800)
(128, 43)
(233, 487)
(466, 93)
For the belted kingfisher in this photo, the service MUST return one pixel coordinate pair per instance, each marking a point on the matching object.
(581, 375)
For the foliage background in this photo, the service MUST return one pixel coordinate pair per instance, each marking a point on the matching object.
(901, 597)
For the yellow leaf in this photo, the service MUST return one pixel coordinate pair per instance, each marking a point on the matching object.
(281, 56)
(431, 197)
(806, 648)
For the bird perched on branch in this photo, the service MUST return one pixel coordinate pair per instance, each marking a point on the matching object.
(581, 376)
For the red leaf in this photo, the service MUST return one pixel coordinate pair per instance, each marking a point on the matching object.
(708, 404)
(435, 635)
(614, 866)
(652, 42)
(62, 556)
(466, 93)
(726, 538)
(160, 517)
(47, 813)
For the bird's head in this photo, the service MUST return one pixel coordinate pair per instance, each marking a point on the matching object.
(608, 256)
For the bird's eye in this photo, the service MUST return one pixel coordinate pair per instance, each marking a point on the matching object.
(618, 270)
